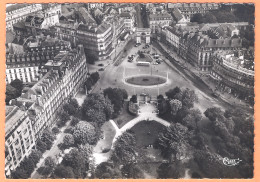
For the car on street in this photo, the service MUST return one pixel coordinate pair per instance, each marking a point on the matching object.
(155, 63)
(101, 64)
(101, 69)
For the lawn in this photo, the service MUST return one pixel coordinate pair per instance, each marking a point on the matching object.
(124, 117)
(146, 80)
(146, 132)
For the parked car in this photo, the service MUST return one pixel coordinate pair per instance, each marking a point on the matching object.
(155, 63)
(101, 69)
(101, 64)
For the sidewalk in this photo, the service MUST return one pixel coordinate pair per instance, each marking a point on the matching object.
(50, 153)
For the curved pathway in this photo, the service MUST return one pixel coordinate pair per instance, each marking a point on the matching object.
(146, 114)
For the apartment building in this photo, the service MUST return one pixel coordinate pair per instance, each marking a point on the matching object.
(129, 21)
(96, 38)
(189, 9)
(19, 137)
(201, 47)
(37, 109)
(18, 12)
(26, 66)
(159, 20)
(233, 73)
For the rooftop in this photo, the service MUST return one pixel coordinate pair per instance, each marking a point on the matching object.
(13, 117)
(160, 16)
(14, 7)
(177, 14)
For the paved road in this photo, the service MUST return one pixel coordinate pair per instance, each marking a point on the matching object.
(197, 81)
(139, 20)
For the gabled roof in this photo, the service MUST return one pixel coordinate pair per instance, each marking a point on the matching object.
(125, 14)
(177, 14)
(19, 25)
(87, 18)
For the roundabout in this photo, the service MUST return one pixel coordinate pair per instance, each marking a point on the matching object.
(146, 80)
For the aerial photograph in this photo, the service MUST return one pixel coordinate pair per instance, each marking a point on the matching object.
(129, 91)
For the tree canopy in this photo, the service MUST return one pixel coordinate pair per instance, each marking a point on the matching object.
(84, 133)
(97, 109)
(117, 96)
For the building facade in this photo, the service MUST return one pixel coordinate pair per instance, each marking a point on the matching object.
(98, 39)
(129, 21)
(26, 66)
(201, 47)
(189, 9)
(233, 73)
(18, 12)
(159, 20)
(60, 78)
(19, 137)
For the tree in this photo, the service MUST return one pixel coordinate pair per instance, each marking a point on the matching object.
(174, 171)
(132, 171)
(18, 85)
(44, 171)
(69, 110)
(197, 18)
(172, 93)
(74, 121)
(11, 93)
(88, 84)
(225, 17)
(214, 113)
(19, 174)
(94, 77)
(62, 171)
(209, 18)
(84, 133)
(47, 137)
(35, 156)
(212, 165)
(188, 98)
(133, 99)
(191, 120)
(116, 96)
(74, 103)
(96, 108)
(49, 162)
(76, 161)
(40, 145)
(106, 170)
(28, 165)
(173, 142)
(124, 149)
(86, 151)
(68, 140)
(55, 130)
(175, 106)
